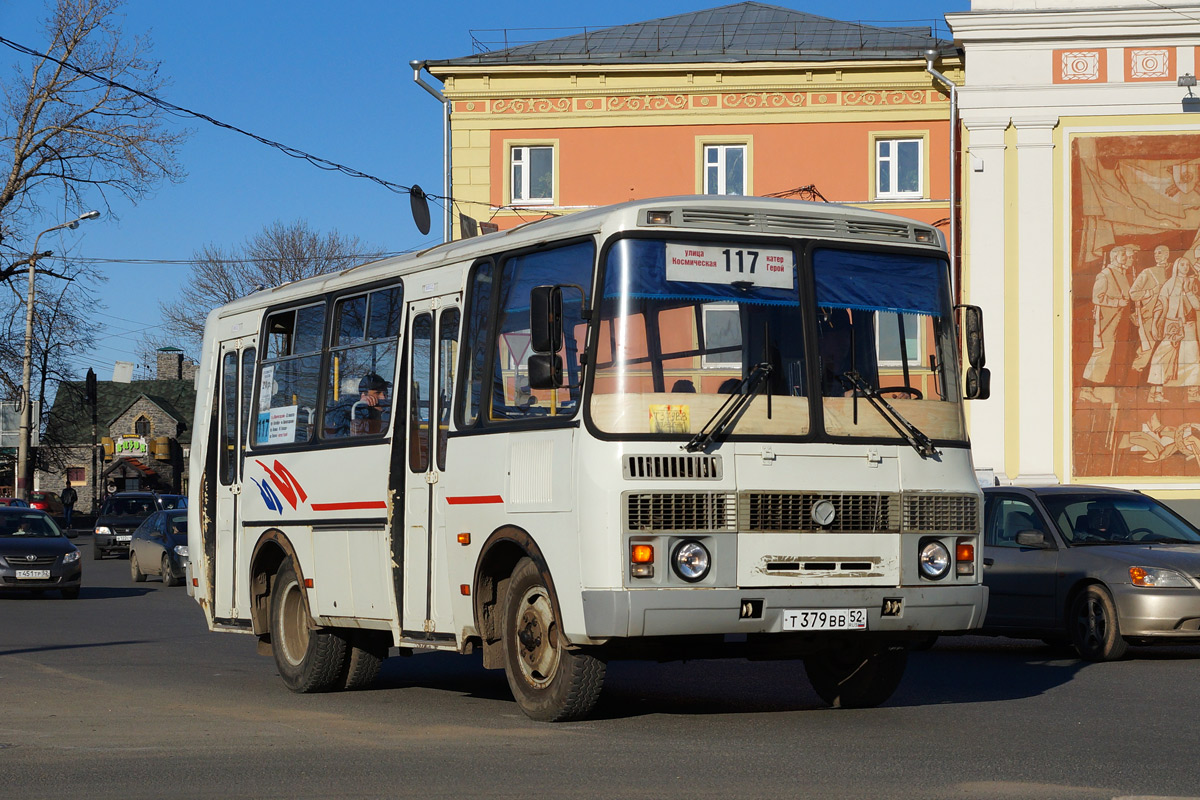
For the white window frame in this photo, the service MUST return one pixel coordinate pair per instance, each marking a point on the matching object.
(892, 158)
(721, 152)
(705, 362)
(914, 356)
(520, 161)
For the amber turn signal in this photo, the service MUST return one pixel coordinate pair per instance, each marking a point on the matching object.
(464, 538)
(642, 554)
(964, 555)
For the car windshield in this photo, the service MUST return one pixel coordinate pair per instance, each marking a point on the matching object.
(128, 507)
(28, 525)
(684, 325)
(1089, 519)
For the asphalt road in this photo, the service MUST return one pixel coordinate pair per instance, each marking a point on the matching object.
(124, 693)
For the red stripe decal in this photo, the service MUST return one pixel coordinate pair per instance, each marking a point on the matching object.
(474, 501)
(363, 506)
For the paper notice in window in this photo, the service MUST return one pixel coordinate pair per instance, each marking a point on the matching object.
(670, 419)
(715, 263)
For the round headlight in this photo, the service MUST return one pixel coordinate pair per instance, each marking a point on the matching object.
(934, 560)
(691, 561)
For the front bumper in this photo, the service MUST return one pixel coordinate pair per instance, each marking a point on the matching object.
(111, 541)
(1160, 614)
(61, 577)
(681, 612)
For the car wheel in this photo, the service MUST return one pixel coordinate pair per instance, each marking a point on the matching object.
(309, 660)
(550, 682)
(367, 649)
(1095, 629)
(70, 594)
(168, 577)
(856, 676)
(135, 569)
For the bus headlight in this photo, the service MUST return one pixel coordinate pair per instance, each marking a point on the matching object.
(934, 560)
(691, 560)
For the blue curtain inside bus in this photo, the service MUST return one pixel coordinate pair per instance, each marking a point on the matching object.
(900, 283)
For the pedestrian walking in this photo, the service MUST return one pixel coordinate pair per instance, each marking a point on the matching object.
(69, 498)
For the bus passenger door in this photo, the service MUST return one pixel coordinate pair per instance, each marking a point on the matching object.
(433, 349)
(236, 379)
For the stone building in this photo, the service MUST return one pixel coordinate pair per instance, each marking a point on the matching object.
(142, 436)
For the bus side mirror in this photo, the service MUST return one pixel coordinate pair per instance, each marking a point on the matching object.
(545, 320)
(978, 383)
(545, 371)
(973, 331)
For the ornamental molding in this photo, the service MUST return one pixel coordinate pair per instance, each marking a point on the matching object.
(533, 105)
(648, 102)
(700, 98)
(765, 100)
(883, 98)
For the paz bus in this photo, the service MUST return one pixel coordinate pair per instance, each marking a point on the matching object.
(688, 427)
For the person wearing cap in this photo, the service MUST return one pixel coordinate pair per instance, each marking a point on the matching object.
(368, 413)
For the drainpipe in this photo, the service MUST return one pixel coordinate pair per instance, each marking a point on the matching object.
(956, 270)
(447, 220)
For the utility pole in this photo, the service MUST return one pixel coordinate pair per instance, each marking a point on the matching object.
(91, 398)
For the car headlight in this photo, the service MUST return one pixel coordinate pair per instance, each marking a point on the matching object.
(181, 550)
(71, 557)
(1157, 577)
(103, 530)
(934, 560)
(691, 560)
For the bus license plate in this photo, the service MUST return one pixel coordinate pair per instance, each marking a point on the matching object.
(825, 619)
(34, 574)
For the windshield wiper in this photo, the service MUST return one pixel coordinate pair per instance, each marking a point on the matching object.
(911, 433)
(732, 408)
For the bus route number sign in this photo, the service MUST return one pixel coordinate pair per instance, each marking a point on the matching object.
(716, 263)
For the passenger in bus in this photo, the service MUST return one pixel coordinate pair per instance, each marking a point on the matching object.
(684, 385)
(369, 414)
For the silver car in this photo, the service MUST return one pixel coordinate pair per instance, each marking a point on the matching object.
(1100, 568)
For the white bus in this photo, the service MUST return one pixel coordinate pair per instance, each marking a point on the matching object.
(689, 427)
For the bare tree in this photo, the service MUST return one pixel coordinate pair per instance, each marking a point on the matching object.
(66, 137)
(278, 254)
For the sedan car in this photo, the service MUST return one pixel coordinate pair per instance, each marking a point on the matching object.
(13, 501)
(34, 554)
(122, 514)
(1100, 568)
(46, 501)
(160, 547)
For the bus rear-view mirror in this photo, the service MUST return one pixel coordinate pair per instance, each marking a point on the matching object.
(545, 371)
(545, 319)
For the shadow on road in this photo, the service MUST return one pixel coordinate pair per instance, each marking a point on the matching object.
(48, 648)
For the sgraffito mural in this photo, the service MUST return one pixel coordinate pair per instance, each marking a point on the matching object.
(1135, 280)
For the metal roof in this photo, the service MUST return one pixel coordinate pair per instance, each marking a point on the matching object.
(735, 33)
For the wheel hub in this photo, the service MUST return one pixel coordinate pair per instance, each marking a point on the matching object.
(537, 639)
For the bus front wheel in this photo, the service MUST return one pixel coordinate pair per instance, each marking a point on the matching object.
(550, 682)
(309, 659)
(856, 676)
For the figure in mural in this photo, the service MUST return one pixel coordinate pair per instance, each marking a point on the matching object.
(1110, 294)
(1144, 292)
(1176, 358)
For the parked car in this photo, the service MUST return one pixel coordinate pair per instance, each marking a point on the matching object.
(1099, 568)
(122, 514)
(35, 555)
(46, 501)
(160, 547)
(15, 502)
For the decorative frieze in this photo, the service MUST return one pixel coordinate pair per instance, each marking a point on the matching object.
(728, 101)
(894, 98)
(1080, 66)
(649, 102)
(766, 100)
(533, 105)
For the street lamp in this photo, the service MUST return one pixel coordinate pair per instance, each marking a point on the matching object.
(22, 486)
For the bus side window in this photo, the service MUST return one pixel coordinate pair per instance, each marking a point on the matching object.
(475, 339)
(422, 383)
(289, 376)
(362, 364)
(447, 352)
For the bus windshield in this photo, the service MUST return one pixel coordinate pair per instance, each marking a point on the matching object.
(685, 325)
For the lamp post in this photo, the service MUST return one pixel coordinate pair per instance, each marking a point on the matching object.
(22, 483)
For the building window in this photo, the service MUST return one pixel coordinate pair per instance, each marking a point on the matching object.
(898, 168)
(142, 426)
(532, 174)
(722, 336)
(898, 339)
(725, 169)
(76, 475)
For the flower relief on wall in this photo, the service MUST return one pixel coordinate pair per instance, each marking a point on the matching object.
(1135, 287)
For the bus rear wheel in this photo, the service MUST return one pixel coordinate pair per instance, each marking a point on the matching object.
(365, 655)
(856, 676)
(550, 682)
(309, 659)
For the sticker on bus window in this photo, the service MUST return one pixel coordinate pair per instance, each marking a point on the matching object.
(278, 425)
(670, 418)
(714, 263)
(266, 388)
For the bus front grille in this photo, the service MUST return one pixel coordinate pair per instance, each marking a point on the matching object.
(792, 512)
(694, 466)
(680, 511)
(941, 512)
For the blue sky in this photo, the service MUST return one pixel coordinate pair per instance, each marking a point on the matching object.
(328, 78)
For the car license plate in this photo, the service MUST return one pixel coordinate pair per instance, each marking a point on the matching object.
(33, 574)
(124, 538)
(825, 619)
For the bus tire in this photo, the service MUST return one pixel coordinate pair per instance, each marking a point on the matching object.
(367, 650)
(308, 659)
(550, 682)
(856, 676)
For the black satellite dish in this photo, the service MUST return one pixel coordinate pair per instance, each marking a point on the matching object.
(420, 208)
